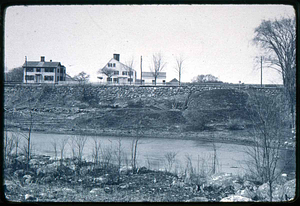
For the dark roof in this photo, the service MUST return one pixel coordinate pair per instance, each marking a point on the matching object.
(174, 80)
(41, 64)
(150, 74)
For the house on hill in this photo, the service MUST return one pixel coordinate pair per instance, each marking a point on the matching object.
(173, 82)
(148, 78)
(43, 72)
(116, 72)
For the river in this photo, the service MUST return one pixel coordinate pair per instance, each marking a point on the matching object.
(151, 152)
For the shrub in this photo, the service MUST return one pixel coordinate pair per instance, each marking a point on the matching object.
(195, 119)
(235, 124)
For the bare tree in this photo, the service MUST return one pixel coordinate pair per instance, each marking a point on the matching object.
(78, 141)
(157, 66)
(179, 67)
(82, 77)
(109, 72)
(278, 39)
(129, 67)
(54, 144)
(269, 117)
(170, 157)
(62, 143)
(96, 150)
(119, 155)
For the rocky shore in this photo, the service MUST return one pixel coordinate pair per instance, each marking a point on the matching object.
(71, 180)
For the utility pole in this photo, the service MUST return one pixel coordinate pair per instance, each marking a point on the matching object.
(261, 71)
(141, 71)
(26, 69)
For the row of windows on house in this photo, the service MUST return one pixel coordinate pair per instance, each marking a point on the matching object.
(111, 64)
(117, 79)
(44, 70)
(46, 78)
(124, 73)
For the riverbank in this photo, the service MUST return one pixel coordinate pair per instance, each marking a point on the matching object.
(71, 180)
(239, 137)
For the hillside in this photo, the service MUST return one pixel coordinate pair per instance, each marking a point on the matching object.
(125, 110)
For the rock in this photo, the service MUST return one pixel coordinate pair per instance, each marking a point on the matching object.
(27, 179)
(285, 192)
(235, 198)
(263, 191)
(69, 191)
(248, 184)
(220, 180)
(108, 189)
(290, 189)
(34, 162)
(124, 186)
(142, 170)
(29, 197)
(96, 191)
(47, 179)
(246, 193)
(19, 173)
(21, 158)
(101, 180)
(197, 199)
(125, 170)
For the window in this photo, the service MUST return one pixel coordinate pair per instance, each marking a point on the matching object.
(49, 69)
(129, 79)
(48, 78)
(29, 69)
(164, 81)
(29, 77)
(61, 78)
(57, 78)
(114, 64)
(124, 73)
(109, 79)
(61, 70)
(116, 80)
(116, 72)
(130, 73)
(57, 70)
(109, 64)
(38, 69)
(153, 81)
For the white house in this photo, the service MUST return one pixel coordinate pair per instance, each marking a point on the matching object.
(43, 72)
(148, 78)
(117, 72)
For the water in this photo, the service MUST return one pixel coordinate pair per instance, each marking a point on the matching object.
(151, 152)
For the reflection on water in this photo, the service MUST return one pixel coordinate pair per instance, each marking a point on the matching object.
(152, 151)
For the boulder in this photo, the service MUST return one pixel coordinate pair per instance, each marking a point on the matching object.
(142, 170)
(246, 193)
(220, 180)
(102, 180)
(125, 170)
(96, 191)
(29, 197)
(235, 198)
(285, 192)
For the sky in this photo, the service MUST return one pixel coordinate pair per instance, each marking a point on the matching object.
(213, 39)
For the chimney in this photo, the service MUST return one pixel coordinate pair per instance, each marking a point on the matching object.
(42, 59)
(117, 57)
